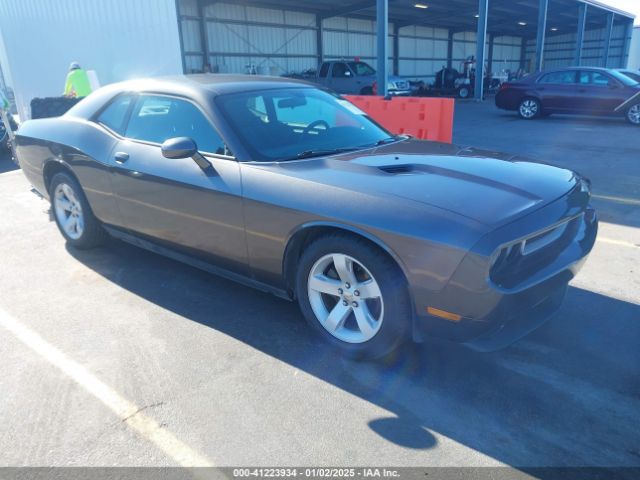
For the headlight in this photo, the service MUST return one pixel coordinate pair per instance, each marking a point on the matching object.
(585, 186)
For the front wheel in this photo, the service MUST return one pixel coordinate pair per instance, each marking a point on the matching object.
(633, 114)
(529, 108)
(73, 214)
(354, 296)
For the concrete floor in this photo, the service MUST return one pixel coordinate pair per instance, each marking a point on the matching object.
(119, 357)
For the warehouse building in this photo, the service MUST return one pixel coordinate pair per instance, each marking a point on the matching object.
(123, 39)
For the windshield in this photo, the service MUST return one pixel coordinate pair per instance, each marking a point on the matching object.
(361, 69)
(292, 123)
(628, 81)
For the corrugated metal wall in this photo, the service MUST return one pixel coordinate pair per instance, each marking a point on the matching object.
(506, 53)
(239, 37)
(118, 39)
(279, 41)
(560, 50)
(422, 51)
(351, 37)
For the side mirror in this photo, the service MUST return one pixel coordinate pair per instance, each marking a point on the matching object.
(184, 147)
(179, 147)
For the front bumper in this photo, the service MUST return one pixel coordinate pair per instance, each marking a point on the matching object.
(399, 93)
(494, 316)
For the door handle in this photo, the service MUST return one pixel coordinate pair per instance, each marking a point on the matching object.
(121, 157)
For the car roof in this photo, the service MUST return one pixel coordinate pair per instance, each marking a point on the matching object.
(210, 83)
(199, 87)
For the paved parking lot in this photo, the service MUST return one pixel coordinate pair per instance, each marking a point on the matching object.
(119, 357)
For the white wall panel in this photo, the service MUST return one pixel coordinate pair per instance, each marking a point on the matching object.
(634, 51)
(119, 39)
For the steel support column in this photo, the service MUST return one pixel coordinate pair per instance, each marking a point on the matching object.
(396, 50)
(543, 6)
(627, 44)
(450, 50)
(319, 40)
(481, 39)
(179, 16)
(204, 39)
(582, 21)
(492, 39)
(523, 53)
(607, 39)
(382, 34)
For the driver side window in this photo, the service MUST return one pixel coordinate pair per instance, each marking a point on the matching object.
(340, 70)
(157, 118)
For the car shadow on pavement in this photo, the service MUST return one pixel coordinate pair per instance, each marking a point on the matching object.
(566, 395)
(6, 164)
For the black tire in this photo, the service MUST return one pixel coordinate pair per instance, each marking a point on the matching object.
(395, 323)
(366, 91)
(464, 92)
(633, 114)
(529, 108)
(92, 234)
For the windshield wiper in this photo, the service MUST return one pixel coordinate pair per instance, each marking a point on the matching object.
(320, 153)
(387, 140)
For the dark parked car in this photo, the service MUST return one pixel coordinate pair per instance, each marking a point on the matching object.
(632, 74)
(294, 191)
(580, 90)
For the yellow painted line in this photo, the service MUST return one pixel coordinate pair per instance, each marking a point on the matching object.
(127, 411)
(617, 242)
(623, 200)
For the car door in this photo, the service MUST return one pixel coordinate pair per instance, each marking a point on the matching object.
(174, 201)
(601, 93)
(558, 91)
(342, 78)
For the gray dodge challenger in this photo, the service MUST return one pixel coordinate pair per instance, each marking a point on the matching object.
(291, 189)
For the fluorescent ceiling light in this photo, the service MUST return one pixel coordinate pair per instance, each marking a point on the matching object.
(554, 29)
(522, 23)
(420, 5)
(477, 15)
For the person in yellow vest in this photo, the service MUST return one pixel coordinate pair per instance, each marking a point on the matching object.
(77, 84)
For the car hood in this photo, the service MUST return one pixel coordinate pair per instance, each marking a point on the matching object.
(488, 187)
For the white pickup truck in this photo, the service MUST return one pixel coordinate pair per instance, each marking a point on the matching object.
(356, 78)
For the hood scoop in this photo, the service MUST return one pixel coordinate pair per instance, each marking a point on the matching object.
(398, 169)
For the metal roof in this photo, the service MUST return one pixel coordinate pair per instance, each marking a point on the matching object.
(506, 17)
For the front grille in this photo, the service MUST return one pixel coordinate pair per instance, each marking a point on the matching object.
(519, 260)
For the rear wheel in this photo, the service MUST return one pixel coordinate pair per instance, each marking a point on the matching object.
(633, 114)
(529, 108)
(354, 296)
(73, 214)
(464, 92)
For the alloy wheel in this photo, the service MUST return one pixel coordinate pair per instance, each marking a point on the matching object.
(634, 114)
(345, 298)
(68, 210)
(529, 108)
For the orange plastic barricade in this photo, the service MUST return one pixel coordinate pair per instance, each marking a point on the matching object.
(424, 118)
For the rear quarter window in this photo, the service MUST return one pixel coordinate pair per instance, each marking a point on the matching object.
(115, 115)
